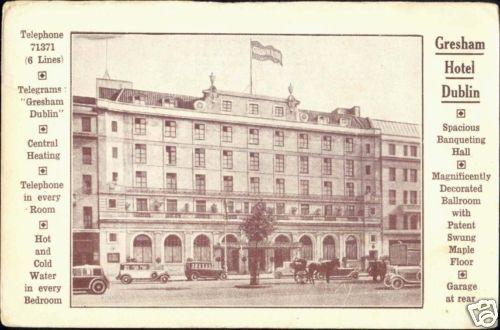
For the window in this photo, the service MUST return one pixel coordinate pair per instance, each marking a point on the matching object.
(349, 189)
(141, 179)
(327, 166)
(228, 183)
(171, 158)
(413, 151)
(142, 251)
(392, 149)
(227, 134)
(349, 145)
(199, 157)
(405, 197)
(114, 126)
(304, 165)
(141, 204)
(201, 206)
(327, 188)
(113, 257)
(140, 153)
(114, 177)
(351, 248)
(279, 111)
(171, 182)
(87, 217)
(405, 221)
(413, 175)
(326, 143)
(393, 219)
(349, 167)
(172, 249)
(171, 205)
(328, 210)
(372, 211)
(368, 170)
(246, 207)
(227, 106)
(200, 183)
(279, 138)
(112, 237)
(368, 189)
(114, 152)
(405, 174)
(392, 174)
(304, 187)
(373, 238)
(199, 131)
(87, 184)
(230, 207)
(350, 210)
(413, 197)
(253, 109)
(304, 209)
(254, 161)
(254, 185)
(140, 126)
(202, 249)
(253, 136)
(227, 159)
(170, 128)
(279, 164)
(111, 203)
(405, 150)
(280, 186)
(367, 148)
(303, 141)
(415, 222)
(280, 208)
(86, 155)
(392, 197)
(86, 124)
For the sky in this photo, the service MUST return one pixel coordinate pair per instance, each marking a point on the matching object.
(381, 75)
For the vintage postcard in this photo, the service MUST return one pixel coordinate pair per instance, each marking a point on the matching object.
(214, 165)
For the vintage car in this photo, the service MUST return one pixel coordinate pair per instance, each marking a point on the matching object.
(285, 271)
(401, 276)
(132, 271)
(340, 274)
(90, 278)
(195, 270)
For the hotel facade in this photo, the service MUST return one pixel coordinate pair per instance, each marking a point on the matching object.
(162, 178)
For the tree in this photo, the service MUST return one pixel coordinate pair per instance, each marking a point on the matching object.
(257, 227)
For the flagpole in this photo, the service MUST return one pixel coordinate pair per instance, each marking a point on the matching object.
(251, 80)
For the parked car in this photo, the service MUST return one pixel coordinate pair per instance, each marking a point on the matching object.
(285, 271)
(90, 278)
(131, 271)
(195, 270)
(401, 276)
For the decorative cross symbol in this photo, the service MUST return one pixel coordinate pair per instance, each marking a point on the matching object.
(42, 129)
(42, 170)
(461, 164)
(460, 113)
(42, 75)
(462, 274)
(43, 224)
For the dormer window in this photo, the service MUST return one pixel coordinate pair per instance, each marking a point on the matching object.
(344, 122)
(168, 102)
(227, 106)
(140, 99)
(323, 120)
(279, 111)
(253, 108)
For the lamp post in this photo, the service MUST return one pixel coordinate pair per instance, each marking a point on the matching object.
(225, 237)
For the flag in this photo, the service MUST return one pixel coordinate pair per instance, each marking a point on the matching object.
(263, 53)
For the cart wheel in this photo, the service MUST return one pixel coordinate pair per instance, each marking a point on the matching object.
(126, 279)
(164, 278)
(98, 287)
(397, 283)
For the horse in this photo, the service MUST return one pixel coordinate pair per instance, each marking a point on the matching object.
(300, 269)
(323, 268)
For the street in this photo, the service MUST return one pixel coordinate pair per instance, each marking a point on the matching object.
(276, 292)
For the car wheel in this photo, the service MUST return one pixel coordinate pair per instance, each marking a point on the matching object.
(126, 279)
(320, 276)
(154, 275)
(194, 277)
(355, 276)
(387, 281)
(397, 283)
(223, 276)
(98, 287)
(164, 278)
(277, 275)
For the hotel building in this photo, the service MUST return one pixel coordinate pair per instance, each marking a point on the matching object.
(172, 177)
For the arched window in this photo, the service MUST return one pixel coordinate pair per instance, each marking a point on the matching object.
(306, 251)
(282, 250)
(173, 249)
(351, 248)
(142, 249)
(231, 239)
(202, 248)
(328, 248)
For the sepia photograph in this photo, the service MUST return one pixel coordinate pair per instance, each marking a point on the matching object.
(246, 170)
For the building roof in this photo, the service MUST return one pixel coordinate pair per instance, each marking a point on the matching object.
(150, 98)
(84, 100)
(388, 127)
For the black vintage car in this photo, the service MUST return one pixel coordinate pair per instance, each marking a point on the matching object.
(90, 278)
(195, 270)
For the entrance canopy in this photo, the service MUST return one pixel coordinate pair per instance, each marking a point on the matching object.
(264, 245)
